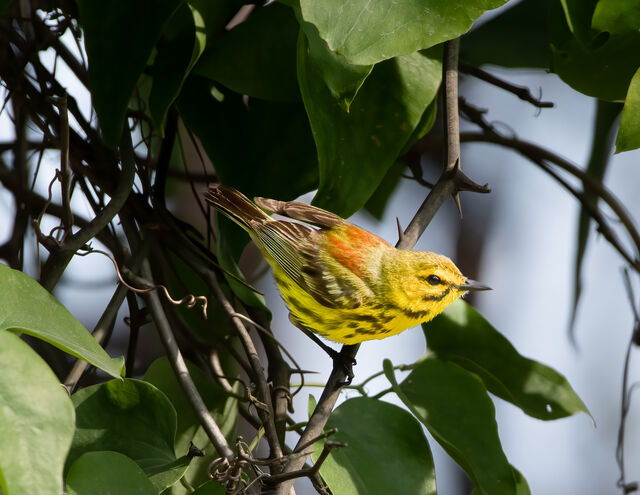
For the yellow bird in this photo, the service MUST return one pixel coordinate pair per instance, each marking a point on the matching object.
(339, 280)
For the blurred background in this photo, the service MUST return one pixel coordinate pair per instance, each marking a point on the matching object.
(520, 240)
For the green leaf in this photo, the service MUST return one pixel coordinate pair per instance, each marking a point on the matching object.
(343, 79)
(356, 149)
(131, 417)
(522, 488)
(629, 134)
(454, 406)
(223, 408)
(366, 32)
(518, 37)
(36, 421)
(26, 307)
(461, 335)
(262, 148)
(210, 488)
(377, 203)
(578, 14)
(604, 66)
(606, 115)
(107, 473)
(184, 40)
(258, 56)
(382, 440)
(119, 36)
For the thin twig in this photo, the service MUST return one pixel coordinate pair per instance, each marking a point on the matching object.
(258, 370)
(627, 391)
(521, 92)
(182, 372)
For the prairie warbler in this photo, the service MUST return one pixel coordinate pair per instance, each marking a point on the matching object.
(338, 280)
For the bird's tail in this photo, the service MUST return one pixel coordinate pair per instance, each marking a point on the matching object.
(236, 206)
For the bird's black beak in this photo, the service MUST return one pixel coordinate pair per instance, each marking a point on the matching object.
(473, 285)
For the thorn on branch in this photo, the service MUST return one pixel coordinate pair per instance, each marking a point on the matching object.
(400, 230)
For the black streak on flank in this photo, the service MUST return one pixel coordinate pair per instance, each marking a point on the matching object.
(349, 336)
(416, 315)
(353, 324)
(366, 318)
(438, 297)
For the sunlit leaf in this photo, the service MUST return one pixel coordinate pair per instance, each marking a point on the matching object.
(131, 417)
(454, 406)
(366, 32)
(356, 149)
(629, 133)
(462, 335)
(382, 440)
(107, 473)
(26, 307)
(36, 421)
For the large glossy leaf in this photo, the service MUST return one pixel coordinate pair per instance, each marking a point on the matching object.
(463, 336)
(262, 148)
(366, 32)
(26, 307)
(518, 37)
(356, 149)
(454, 406)
(107, 473)
(131, 417)
(601, 143)
(258, 56)
(602, 68)
(342, 78)
(36, 421)
(184, 39)
(386, 451)
(119, 36)
(629, 133)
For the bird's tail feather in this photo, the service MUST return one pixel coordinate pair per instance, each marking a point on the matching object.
(236, 206)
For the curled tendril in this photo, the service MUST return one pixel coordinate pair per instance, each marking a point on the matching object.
(229, 473)
(190, 301)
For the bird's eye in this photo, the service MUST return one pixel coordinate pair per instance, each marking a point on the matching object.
(433, 279)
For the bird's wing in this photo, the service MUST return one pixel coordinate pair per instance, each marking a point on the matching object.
(300, 211)
(294, 248)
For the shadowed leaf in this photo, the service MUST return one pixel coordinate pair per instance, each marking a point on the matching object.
(602, 141)
(119, 36)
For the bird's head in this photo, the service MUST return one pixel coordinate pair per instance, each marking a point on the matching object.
(426, 282)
